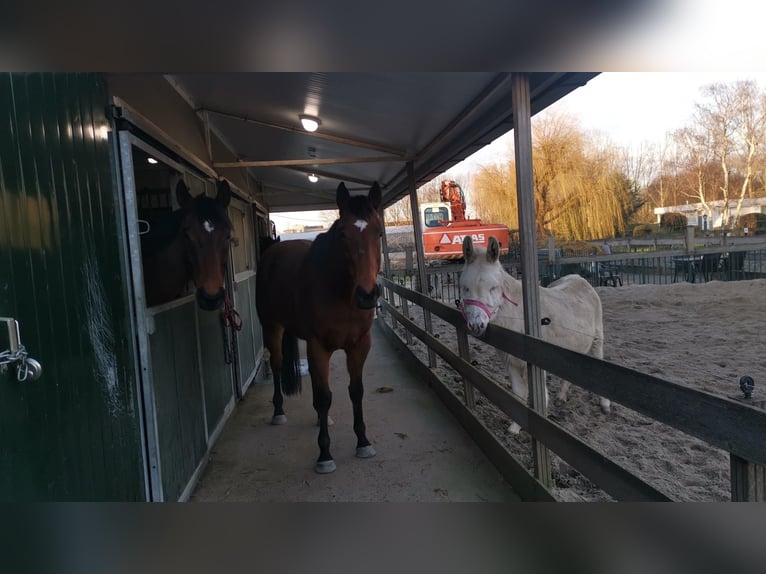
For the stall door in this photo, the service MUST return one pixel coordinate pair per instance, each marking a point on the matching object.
(249, 348)
(74, 433)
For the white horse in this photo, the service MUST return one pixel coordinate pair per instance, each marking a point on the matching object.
(571, 305)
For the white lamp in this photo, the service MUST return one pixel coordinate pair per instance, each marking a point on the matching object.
(310, 123)
(313, 178)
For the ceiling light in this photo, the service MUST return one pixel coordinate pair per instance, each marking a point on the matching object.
(151, 160)
(313, 178)
(310, 123)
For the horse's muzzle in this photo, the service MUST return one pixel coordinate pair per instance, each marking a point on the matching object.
(366, 300)
(210, 303)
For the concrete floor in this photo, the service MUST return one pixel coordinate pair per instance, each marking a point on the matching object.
(423, 454)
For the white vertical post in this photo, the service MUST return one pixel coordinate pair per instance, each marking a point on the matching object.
(421, 253)
(522, 130)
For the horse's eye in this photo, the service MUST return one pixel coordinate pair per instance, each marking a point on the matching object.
(493, 289)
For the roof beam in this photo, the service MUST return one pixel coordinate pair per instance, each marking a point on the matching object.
(320, 135)
(309, 162)
(331, 175)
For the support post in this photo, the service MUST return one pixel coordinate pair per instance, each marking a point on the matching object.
(386, 264)
(748, 480)
(522, 131)
(423, 280)
(465, 353)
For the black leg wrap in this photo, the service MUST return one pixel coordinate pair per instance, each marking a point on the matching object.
(322, 403)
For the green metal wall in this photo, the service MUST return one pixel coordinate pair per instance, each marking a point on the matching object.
(250, 335)
(178, 396)
(216, 374)
(73, 434)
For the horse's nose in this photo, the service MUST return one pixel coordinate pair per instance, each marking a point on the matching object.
(209, 302)
(477, 328)
(365, 300)
(476, 322)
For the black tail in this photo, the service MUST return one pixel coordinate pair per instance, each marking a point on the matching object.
(291, 366)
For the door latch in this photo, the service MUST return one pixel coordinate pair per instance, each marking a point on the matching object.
(27, 368)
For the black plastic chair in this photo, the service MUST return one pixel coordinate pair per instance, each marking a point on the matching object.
(684, 267)
(709, 264)
(733, 265)
(609, 274)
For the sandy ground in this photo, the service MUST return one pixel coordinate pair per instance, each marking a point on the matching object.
(703, 335)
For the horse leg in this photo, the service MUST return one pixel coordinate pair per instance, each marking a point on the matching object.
(274, 345)
(355, 358)
(597, 350)
(518, 374)
(319, 369)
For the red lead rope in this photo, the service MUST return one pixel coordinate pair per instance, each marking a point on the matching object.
(229, 318)
(230, 315)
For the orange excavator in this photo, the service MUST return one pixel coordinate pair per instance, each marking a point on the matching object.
(445, 225)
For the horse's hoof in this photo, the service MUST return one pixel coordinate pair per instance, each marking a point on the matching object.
(325, 466)
(514, 429)
(606, 408)
(365, 451)
(279, 419)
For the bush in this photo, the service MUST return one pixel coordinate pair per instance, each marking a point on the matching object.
(645, 230)
(575, 248)
(673, 221)
(755, 223)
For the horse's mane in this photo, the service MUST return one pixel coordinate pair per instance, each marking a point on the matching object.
(208, 208)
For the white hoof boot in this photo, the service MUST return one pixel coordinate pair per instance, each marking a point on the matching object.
(514, 428)
(325, 466)
(606, 406)
(365, 451)
(279, 420)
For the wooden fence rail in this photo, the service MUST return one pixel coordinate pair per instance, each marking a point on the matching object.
(728, 424)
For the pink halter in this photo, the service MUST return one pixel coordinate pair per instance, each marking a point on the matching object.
(468, 302)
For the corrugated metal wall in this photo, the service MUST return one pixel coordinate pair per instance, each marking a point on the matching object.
(73, 434)
(178, 397)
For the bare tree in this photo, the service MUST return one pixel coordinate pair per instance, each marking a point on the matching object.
(730, 124)
(399, 213)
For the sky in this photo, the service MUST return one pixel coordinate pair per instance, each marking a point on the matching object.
(631, 108)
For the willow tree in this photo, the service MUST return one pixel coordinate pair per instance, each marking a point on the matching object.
(493, 192)
(580, 184)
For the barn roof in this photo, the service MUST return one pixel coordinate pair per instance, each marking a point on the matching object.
(372, 124)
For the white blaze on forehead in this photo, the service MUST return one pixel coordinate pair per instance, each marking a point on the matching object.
(361, 224)
(209, 227)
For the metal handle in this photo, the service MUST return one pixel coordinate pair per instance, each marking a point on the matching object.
(27, 368)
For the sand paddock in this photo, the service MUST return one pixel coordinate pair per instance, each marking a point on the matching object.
(702, 335)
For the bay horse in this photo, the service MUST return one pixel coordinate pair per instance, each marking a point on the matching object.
(189, 244)
(324, 292)
(571, 306)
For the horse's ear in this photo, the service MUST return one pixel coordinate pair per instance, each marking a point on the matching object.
(182, 194)
(374, 196)
(493, 250)
(468, 252)
(341, 197)
(224, 193)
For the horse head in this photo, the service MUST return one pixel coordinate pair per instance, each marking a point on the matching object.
(361, 226)
(481, 284)
(206, 231)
